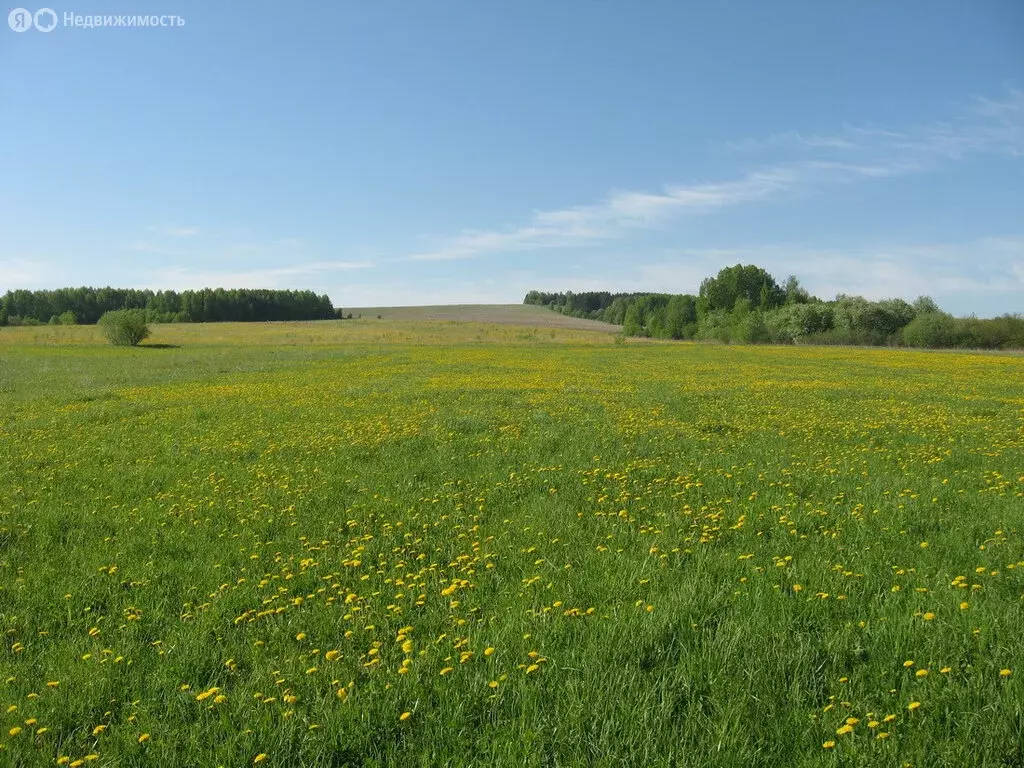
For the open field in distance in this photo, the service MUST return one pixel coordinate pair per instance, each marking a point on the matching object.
(512, 314)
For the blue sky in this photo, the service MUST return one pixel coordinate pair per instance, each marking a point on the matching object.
(436, 151)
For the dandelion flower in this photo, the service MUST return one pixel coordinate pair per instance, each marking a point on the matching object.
(921, 673)
(913, 705)
(98, 730)
(260, 757)
(828, 745)
(332, 655)
(908, 663)
(143, 738)
(446, 670)
(488, 651)
(405, 716)
(842, 731)
(14, 731)
(1005, 672)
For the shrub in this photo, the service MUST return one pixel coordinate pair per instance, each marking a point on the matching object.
(124, 327)
(931, 329)
(67, 318)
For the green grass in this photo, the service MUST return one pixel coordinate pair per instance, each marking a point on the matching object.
(681, 554)
(509, 314)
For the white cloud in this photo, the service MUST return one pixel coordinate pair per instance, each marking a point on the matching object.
(984, 126)
(23, 273)
(308, 275)
(991, 266)
(177, 231)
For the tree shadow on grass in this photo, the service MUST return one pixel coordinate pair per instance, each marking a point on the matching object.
(159, 346)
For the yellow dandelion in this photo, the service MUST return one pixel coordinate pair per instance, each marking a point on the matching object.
(843, 730)
(98, 730)
(143, 738)
(300, 637)
(492, 684)
(532, 668)
(488, 651)
(446, 670)
(888, 718)
(342, 694)
(1005, 672)
(260, 757)
(921, 673)
(332, 655)
(828, 745)
(913, 705)
(928, 616)
(882, 736)
(219, 698)
(944, 670)
(53, 684)
(908, 663)
(14, 731)
(405, 716)
(964, 605)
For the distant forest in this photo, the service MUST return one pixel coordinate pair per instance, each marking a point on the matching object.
(745, 304)
(71, 306)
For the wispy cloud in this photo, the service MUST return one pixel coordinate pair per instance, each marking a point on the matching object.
(991, 266)
(23, 273)
(790, 139)
(177, 231)
(304, 275)
(866, 152)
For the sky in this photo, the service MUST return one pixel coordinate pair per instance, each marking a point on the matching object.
(402, 152)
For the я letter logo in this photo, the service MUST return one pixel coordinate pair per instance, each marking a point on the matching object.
(22, 20)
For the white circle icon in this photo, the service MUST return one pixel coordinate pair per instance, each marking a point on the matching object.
(20, 20)
(45, 20)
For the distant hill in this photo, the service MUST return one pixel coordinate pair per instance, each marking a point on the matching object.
(506, 314)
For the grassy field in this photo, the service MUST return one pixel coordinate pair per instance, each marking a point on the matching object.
(507, 314)
(439, 543)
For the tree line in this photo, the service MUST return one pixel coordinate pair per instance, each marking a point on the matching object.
(70, 306)
(745, 304)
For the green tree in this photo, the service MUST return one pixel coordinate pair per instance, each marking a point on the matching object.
(124, 327)
(933, 330)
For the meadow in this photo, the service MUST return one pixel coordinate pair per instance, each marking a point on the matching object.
(441, 543)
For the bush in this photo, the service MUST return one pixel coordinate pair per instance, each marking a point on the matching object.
(124, 327)
(934, 330)
(67, 318)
